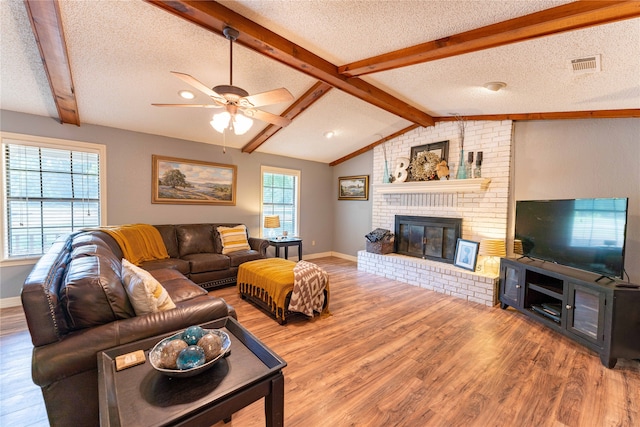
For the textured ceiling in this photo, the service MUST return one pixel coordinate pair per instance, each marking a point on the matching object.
(121, 53)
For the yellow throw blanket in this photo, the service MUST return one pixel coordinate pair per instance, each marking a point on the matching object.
(270, 280)
(139, 242)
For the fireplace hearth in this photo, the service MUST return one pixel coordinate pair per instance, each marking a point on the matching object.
(426, 237)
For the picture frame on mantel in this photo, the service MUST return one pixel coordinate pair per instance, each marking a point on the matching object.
(441, 149)
(182, 181)
(353, 187)
(466, 254)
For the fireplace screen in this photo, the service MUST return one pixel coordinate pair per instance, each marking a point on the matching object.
(427, 237)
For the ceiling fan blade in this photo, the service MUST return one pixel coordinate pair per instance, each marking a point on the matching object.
(266, 117)
(197, 84)
(188, 105)
(266, 98)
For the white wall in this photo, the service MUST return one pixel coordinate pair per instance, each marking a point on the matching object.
(567, 159)
(129, 184)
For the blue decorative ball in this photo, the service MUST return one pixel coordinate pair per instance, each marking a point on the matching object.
(190, 357)
(193, 334)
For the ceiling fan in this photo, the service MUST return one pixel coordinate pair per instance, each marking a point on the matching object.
(239, 106)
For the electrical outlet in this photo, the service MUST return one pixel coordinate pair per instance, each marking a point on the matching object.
(313, 243)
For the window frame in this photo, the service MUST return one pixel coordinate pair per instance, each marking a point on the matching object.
(282, 171)
(54, 143)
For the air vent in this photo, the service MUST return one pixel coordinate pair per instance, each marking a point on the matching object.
(587, 64)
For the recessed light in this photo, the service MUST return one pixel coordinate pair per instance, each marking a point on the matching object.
(186, 94)
(495, 86)
(329, 134)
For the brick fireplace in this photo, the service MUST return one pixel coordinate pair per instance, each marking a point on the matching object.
(483, 212)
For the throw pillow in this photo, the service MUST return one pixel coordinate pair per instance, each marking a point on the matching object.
(234, 239)
(146, 294)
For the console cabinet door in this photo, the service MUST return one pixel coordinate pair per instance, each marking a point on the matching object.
(511, 289)
(586, 312)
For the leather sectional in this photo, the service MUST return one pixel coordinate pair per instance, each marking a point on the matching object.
(76, 306)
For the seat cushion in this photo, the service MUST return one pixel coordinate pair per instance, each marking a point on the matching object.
(237, 258)
(201, 263)
(180, 265)
(179, 287)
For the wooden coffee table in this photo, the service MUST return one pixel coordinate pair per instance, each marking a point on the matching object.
(140, 395)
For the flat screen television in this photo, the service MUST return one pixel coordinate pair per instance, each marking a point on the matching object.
(588, 234)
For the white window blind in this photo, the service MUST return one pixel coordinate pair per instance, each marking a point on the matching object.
(49, 191)
(280, 196)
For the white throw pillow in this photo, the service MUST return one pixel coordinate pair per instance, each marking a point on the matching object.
(146, 294)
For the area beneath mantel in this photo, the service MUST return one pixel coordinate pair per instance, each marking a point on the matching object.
(441, 186)
(432, 275)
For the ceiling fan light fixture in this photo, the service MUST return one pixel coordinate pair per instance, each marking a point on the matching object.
(241, 124)
(220, 121)
(186, 94)
(495, 86)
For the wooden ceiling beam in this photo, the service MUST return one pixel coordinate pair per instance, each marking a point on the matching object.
(565, 115)
(316, 92)
(373, 144)
(214, 17)
(47, 28)
(562, 115)
(568, 17)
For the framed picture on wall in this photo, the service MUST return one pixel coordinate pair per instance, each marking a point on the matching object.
(181, 181)
(466, 254)
(353, 187)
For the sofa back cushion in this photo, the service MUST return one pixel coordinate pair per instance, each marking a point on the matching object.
(170, 239)
(92, 293)
(195, 239)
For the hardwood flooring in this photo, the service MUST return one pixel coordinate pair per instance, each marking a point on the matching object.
(392, 354)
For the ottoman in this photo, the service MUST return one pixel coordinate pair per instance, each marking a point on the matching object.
(268, 283)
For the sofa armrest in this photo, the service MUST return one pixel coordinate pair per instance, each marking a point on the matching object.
(76, 352)
(259, 245)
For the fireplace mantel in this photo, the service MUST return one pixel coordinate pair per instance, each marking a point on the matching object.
(444, 186)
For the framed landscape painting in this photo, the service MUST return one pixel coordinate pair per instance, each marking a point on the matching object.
(353, 187)
(181, 181)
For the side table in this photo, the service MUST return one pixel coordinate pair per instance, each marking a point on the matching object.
(285, 242)
(140, 395)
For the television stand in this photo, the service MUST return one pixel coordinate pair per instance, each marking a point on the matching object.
(603, 317)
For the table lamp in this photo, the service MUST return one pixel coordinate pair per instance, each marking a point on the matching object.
(492, 248)
(271, 222)
(517, 247)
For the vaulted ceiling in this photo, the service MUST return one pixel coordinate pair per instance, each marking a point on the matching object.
(364, 70)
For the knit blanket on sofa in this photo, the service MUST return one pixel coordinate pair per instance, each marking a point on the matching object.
(309, 282)
(139, 242)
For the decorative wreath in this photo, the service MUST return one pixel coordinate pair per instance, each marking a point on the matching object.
(423, 166)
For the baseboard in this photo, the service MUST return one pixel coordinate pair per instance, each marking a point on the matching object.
(335, 254)
(10, 302)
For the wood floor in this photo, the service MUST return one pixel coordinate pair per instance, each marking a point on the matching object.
(395, 355)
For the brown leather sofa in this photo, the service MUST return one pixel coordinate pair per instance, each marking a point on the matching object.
(76, 306)
(195, 250)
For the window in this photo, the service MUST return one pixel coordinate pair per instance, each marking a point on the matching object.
(280, 196)
(50, 188)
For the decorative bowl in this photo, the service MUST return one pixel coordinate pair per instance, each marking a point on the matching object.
(155, 353)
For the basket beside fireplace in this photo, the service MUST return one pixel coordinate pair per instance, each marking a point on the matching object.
(380, 241)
